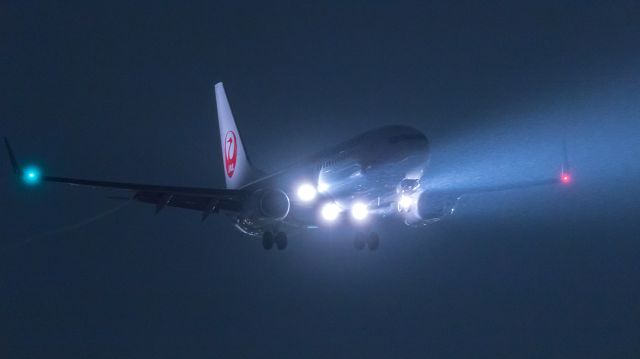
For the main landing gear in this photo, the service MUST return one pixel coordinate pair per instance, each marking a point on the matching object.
(371, 240)
(280, 240)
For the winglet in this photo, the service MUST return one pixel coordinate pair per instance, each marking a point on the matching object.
(14, 162)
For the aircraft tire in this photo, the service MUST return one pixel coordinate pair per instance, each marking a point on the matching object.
(281, 240)
(267, 240)
(373, 241)
(359, 241)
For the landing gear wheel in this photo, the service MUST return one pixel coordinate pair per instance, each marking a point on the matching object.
(373, 241)
(359, 241)
(267, 240)
(281, 240)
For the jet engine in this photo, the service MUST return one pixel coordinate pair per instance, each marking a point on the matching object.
(270, 204)
(430, 207)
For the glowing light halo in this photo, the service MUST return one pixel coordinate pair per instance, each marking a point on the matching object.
(322, 186)
(306, 192)
(330, 211)
(359, 211)
(31, 175)
(404, 203)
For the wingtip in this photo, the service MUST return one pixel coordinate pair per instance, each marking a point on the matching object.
(565, 174)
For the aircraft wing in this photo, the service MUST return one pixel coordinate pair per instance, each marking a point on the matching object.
(564, 179)
(206, 200)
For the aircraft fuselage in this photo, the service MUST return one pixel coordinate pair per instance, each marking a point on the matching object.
(369, 168)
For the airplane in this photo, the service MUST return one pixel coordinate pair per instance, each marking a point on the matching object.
(377, 174)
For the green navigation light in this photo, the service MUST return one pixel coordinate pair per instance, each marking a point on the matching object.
(31, 175)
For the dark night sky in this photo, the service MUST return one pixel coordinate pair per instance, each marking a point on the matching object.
(125, 92)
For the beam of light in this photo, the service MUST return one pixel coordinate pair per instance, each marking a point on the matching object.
(306, 192)
(31, 175)
(330, 211)
(359, 211)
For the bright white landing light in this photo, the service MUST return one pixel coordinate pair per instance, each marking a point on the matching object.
(404, 204)
(330, 211)
(322, 187)
(359, 211)
(306, 192)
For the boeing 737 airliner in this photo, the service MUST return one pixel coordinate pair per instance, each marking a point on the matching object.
(376, 174)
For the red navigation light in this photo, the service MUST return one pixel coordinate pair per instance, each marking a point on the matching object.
(565, 178)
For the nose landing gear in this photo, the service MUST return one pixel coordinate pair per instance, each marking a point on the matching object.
(267, 240)
(359, 241)
(280, 240)
(371, 240)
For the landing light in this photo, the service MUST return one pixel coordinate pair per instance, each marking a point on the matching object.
(405, 202)
(565, 178)
(359, 211)
(330, 211)
(306, 192)
(322, 187)
(31, 175)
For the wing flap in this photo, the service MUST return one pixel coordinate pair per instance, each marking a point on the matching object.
(205, 200)
(204, 204)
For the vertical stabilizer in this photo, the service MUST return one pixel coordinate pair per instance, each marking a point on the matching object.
(238, 170)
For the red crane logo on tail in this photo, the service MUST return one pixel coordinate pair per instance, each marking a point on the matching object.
(230, 153)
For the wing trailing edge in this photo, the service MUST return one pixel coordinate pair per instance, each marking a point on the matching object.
(206, 200)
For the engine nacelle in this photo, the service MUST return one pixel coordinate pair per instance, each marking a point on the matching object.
(270, 204)
(430, 208)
